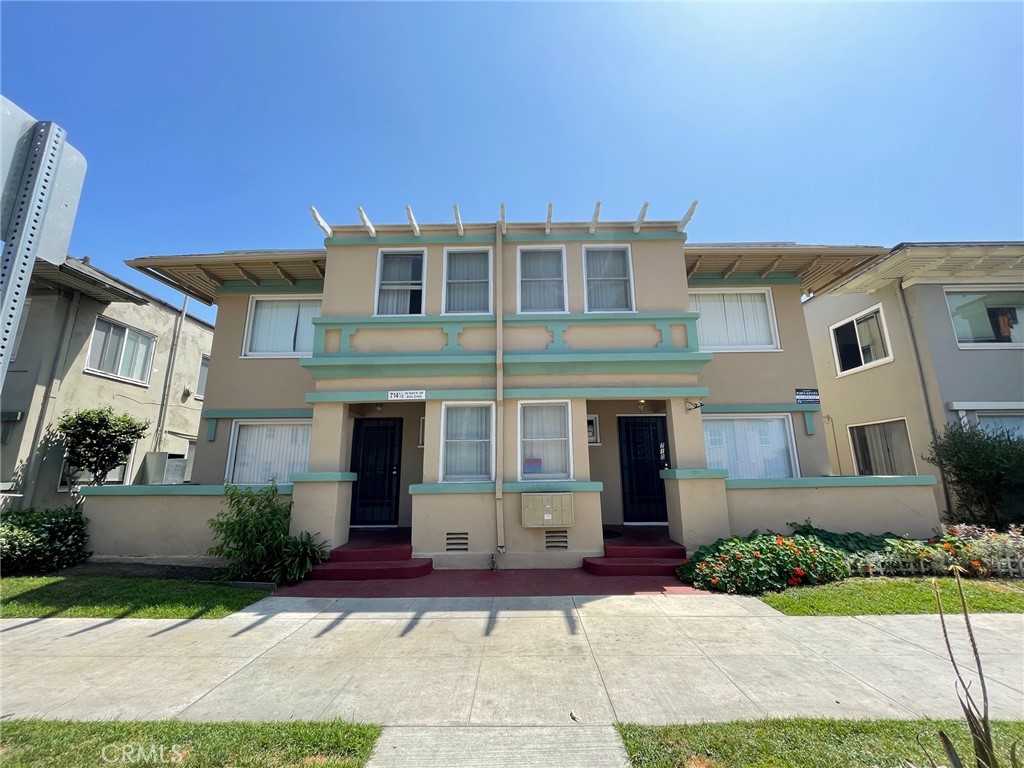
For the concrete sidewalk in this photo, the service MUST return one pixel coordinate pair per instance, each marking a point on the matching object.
(557, 664)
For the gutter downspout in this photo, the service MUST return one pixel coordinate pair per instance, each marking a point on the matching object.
(922, 382)
(499, 391)
(161, 418)
(56, 377)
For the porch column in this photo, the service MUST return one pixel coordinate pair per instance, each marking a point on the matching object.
(698, 512)
(322, 496)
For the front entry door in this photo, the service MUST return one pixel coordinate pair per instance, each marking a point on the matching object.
(643, 453)
(376, 460)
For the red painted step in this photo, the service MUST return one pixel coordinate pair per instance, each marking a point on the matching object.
(631, 549)
(631, 566)
(358, 552)
(391, 569)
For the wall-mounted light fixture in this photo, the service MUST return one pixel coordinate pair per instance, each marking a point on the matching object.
(379, 407)
(640, 405)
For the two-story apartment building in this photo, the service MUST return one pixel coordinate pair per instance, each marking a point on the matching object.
(87, 339)
(511, 389)
(928, 335)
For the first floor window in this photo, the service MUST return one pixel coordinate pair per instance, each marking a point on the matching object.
(544, 441)
(860, 341)
(987, 316)
(735, 320)
(996, 421)
(401, 284)
(282, 327)
(467, 451)
(541, 280)
(883, 449)
(756, 447)
(68, 479)
(269, 451)
(467, 282)
(608, 279)
(120, 351)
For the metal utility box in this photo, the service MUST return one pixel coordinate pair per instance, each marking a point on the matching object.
(547, 510)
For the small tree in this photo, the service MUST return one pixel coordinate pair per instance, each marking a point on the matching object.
(985, 470)
(97, 440)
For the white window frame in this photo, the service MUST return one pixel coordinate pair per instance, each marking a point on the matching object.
(116, 377)
(947, 289)
(22, 322)
(629, 273)
(444, 422)
(519, 280)
(785, 416)
(776, 345)
(519, 442)
(444, 281)
(853, 452)
(381, 253)
(202, 395)
(253, 299)
(126, 480)
(229, 471)
(593, 435)
(853, 319)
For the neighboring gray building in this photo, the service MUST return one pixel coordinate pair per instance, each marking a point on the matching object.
(87, 339)
(931, 334)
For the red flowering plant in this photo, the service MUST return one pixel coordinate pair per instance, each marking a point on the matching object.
(763, 563)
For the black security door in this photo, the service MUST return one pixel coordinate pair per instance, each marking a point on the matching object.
(643, 453)
(376, 460)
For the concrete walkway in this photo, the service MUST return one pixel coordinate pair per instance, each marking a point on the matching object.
(495, 678)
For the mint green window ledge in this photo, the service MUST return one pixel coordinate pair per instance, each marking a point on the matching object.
(323, 477)
(851, 481)
(186, 489)
(694, 474)
(441, 488)
(553, 486)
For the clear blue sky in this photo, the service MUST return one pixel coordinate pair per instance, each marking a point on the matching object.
(213, 126)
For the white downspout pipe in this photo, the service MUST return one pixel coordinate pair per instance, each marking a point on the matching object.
(499, 392)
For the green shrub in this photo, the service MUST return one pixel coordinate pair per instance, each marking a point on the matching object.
(763, 563)
(984, 468)
(41, 541)
(252, 535)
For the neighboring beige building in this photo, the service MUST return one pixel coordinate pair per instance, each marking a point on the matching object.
(931, 334)
(87, 339)
(510, 389)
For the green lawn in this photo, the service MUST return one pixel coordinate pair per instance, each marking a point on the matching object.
(69, 744)
(120, 597)
(802, 743)
(862, 597)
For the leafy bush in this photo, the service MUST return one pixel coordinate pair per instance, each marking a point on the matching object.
(763, 563)
(252, 534)
(40, 541)
(97, 440)
(985, 470)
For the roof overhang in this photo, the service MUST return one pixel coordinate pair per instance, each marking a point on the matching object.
(939, 262)
(77, 275)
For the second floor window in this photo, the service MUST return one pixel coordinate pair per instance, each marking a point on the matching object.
(987, 316)
(542, 280)
(400, 290)
(467, 286)
(121, 351)
(608, 280)
(860, 341)
(204, 367)
(737, 320)
(281, 327)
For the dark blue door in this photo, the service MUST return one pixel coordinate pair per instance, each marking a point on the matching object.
(376, 460)
(643, 453)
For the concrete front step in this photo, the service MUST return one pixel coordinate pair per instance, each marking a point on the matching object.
(668, 550)
(631, 566)
(361, 571)
(353, 553)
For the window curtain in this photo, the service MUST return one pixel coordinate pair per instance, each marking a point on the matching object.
(467, 442)
(545, 441)
(401, 284)
(284, 326)
(750, 448)
(883, 449)
(541, 281)
(265, 452)
(468, 282)
(107, 341)
(608, 280)
(135, 360)
(733, 320)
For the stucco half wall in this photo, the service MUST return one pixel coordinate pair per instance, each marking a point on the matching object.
(153, 521)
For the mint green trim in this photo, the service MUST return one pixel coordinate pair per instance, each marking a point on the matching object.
(381, 395)
(598, 318)
(211, 431)
(443, 488)
(850, 481)
(607, 393)
(451, 327)
(452, 240)
(392, 366)
(621, 361)
(694, 474)
(323, 477)
(761, 408)
(259, 413)
(744, 279)
(170, 490)
(594, 237)
(271, 286)
(553, 486)
(809, 422)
